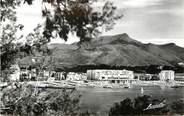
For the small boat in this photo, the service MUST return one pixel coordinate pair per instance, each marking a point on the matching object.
(142, 90)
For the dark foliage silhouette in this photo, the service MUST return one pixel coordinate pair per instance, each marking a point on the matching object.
(138, 106)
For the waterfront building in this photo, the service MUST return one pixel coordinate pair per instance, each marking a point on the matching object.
(59, 76)
(155, 77)
(179, 77)
(146, 77)
(143, 76)
(63, 75)
(110, 75)
(76, 76)
(167, 75)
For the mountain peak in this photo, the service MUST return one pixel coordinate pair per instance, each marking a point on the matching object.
(123, 35)
(170, 44)
(123, 38)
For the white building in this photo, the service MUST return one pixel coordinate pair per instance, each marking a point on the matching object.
(76, 76)
(167, 75)
(16, 73)
(110, 75)
(32, 73)
(179, 77)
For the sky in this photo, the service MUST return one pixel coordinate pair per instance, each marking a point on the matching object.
(148, 21)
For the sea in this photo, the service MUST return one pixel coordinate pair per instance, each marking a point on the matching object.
(100, 100)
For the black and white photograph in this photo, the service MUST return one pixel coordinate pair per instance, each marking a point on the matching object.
(91, 57)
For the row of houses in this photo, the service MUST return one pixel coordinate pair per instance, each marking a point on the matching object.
(130, 76)
(26, 73)
(164, 75)
(115, 76)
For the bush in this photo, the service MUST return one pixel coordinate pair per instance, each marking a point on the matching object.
(178, 107)
(125, 107)
(141, 103)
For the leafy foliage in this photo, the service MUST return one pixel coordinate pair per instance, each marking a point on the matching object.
(10, 50)
(7, 10)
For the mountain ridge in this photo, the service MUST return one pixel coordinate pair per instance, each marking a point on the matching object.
(116, 50)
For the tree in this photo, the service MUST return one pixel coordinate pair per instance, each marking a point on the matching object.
(11, 49)
(77, 16)
(8, 28)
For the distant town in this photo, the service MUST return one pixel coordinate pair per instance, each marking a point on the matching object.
(106, 78)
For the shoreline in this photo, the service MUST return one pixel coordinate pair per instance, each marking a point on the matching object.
(97, 84)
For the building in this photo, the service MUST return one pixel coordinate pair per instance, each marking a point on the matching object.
(167, 75)
(142, 76)
(58, 75)
(76, 76)
(20, 73)
(146, 77)
(15, 76)
(110, 75)
(33, 74)
(24, 72)
(179, 77)
(46, 73)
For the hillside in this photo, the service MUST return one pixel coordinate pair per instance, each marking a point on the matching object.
(120, 50)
